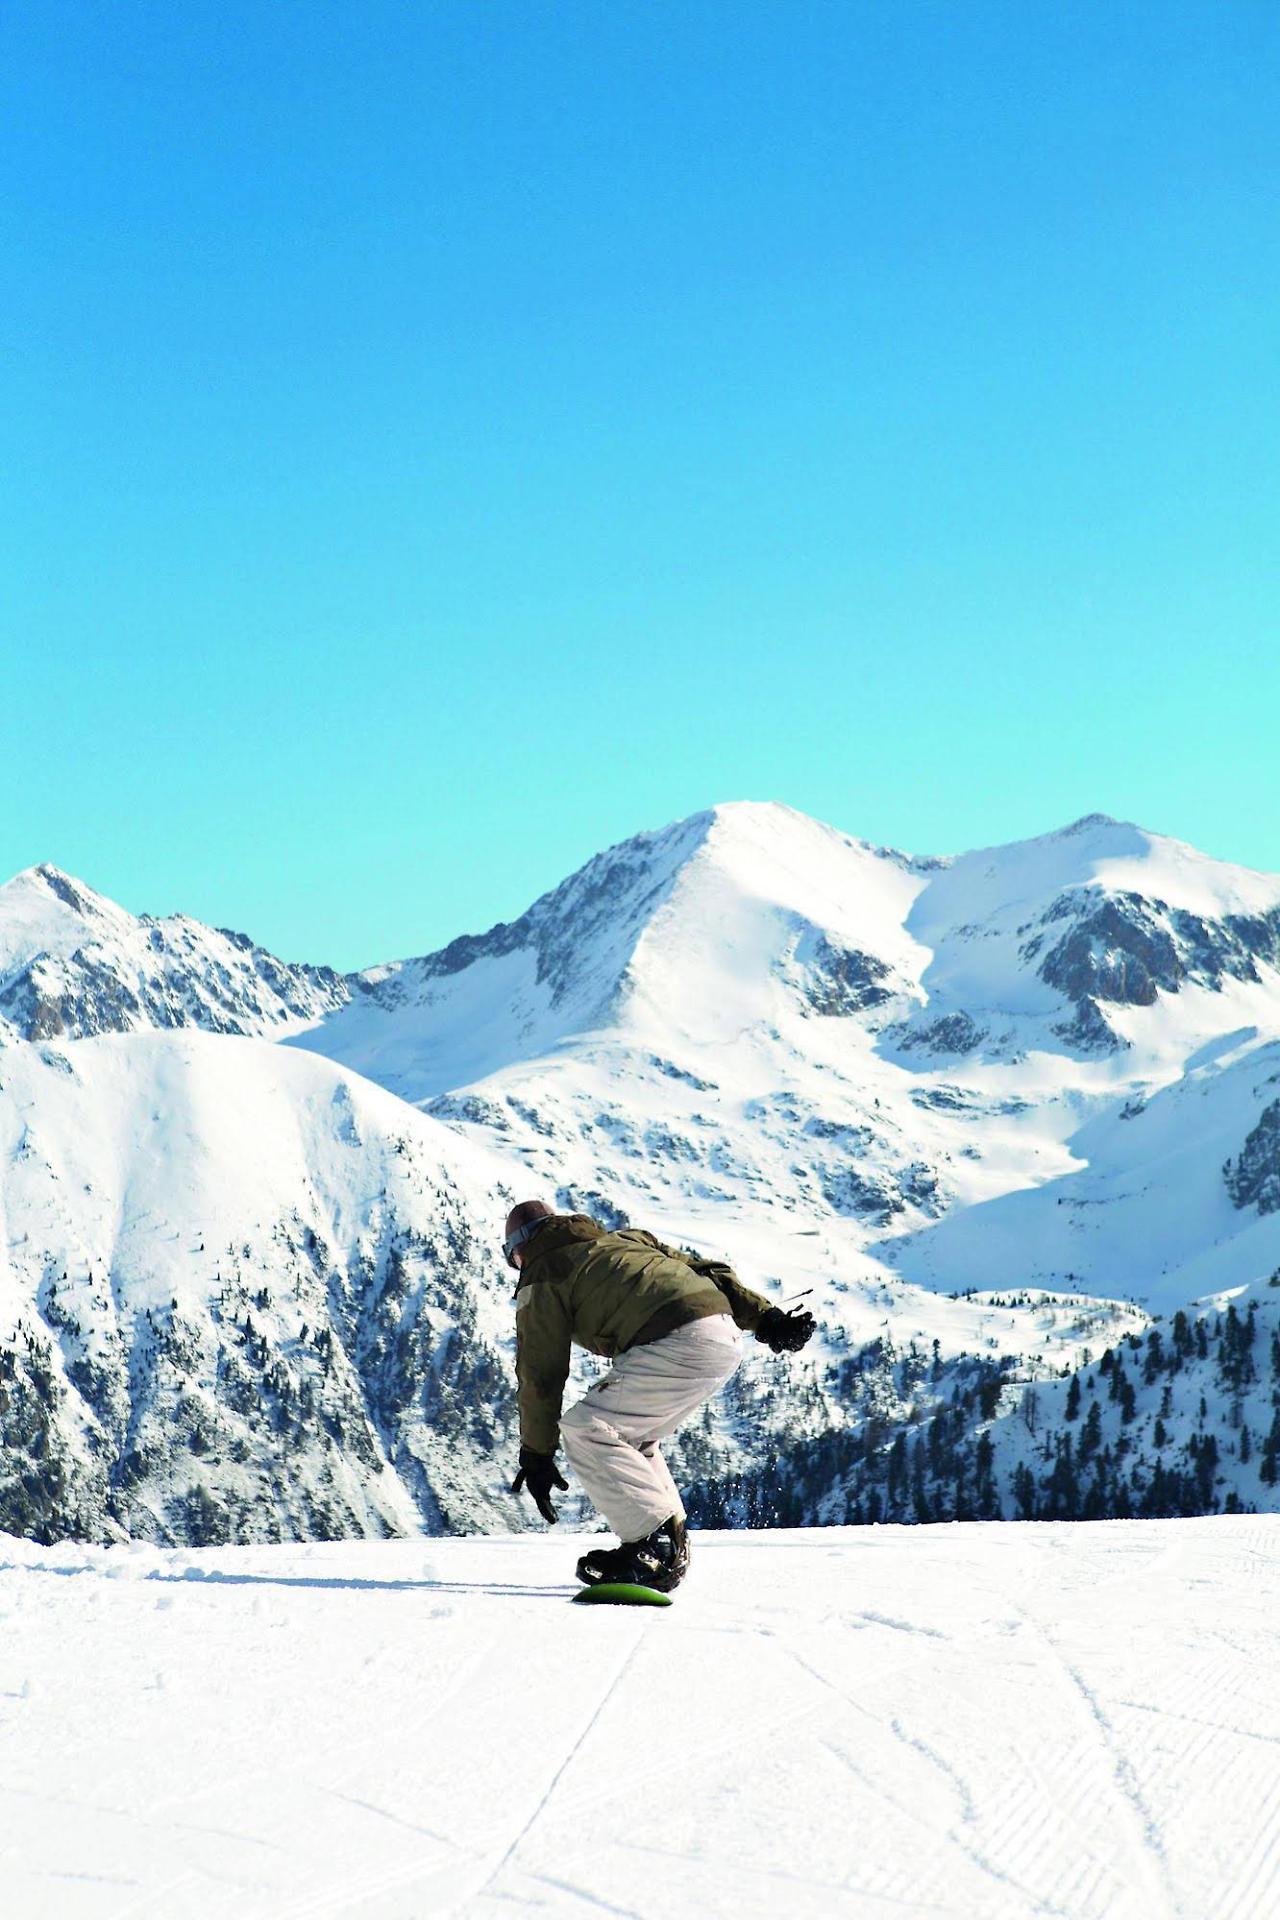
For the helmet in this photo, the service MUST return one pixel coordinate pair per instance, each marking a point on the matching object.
(522, 1223)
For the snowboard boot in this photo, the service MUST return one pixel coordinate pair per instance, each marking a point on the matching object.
(659, 1561)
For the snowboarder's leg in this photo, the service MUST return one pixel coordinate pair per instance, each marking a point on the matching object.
(630, 1487)
(662, 1477)
(611, 1436)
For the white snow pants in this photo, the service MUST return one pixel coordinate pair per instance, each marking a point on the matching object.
(611, 1435)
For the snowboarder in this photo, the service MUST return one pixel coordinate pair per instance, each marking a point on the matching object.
(669, 1321)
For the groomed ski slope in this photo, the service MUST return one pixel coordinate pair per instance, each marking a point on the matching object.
(971, 1720)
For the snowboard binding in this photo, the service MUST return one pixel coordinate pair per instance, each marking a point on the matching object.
(659, 1562)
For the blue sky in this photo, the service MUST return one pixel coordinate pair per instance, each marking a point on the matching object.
(442, 440)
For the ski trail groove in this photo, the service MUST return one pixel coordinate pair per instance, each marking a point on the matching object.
(1214, 1726)
(1151, 1854)
(1253, 1895)
(580, 1893)
(837, 1888)
(1040, 1903)
(563, 1768)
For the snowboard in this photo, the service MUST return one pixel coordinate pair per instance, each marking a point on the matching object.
(620, 1593)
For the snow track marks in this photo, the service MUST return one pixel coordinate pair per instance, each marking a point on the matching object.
(985, 1722)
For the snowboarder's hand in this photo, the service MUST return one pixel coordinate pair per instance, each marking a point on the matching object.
(539, 1473)
(785, 1332)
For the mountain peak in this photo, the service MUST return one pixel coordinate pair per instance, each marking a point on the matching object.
(44, 880)
(46, 911)
(1091, 822)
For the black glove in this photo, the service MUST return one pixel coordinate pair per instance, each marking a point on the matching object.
(785, 1332)
(539, 1472)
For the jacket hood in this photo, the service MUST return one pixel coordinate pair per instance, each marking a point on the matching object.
(562, 1230)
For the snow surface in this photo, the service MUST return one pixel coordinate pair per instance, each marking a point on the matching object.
(981, 1721)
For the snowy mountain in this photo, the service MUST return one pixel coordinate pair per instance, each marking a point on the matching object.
(1025, 1066)
(995, 1111)
(73, 963)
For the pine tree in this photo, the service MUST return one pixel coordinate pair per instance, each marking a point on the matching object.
(989, 1396)
(985, 1495)
(1063, 1493)
(919, 1496)
(1270, 1462)
(1206, 1459)
(1091, 1433)
(1182, 1337)
(1072, 1409)
(1024, 1491)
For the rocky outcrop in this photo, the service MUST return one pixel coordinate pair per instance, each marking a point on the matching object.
(1125, 948)
(1089, 1030)
(585, 926)
(1253, 1177)
(954, 1033)
(841, 980)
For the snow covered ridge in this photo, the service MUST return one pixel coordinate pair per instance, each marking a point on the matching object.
(997, 1111)
(73, 964)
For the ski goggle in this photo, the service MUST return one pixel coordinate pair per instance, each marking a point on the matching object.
(520, 1236)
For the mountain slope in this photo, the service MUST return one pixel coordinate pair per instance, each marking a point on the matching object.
(242, 1295)
(1172, 1195)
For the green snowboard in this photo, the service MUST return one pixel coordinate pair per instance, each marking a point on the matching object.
(621, 1593)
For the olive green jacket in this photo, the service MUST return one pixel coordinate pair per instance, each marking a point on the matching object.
(581, 1285)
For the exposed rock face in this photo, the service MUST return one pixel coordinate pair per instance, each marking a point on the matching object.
(1126, 948)
(594, 914)
(1253, 1178)
(879, 1197)
(1117, 949)
(953, 1033)
(1090, 1031)
(840, 980)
